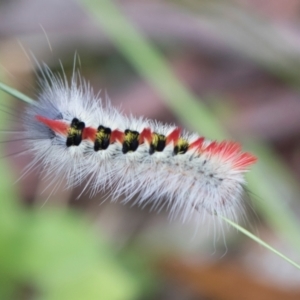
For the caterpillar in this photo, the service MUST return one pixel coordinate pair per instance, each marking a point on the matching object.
(74, 135)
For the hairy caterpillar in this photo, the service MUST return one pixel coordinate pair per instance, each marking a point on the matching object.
(76, 136)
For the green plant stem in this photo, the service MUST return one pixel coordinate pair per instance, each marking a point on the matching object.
(259, 241)
(16, 93)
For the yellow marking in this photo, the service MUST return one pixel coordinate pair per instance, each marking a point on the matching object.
(130, 137)
(74, 132)
(182, 145)
(102, 135)
(156, 138)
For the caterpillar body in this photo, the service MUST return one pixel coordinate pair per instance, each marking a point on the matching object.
(76, 136)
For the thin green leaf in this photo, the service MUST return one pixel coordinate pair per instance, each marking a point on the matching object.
(16, 93)
(259, 241)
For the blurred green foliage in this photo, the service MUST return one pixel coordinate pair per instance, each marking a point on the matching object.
(55, 255)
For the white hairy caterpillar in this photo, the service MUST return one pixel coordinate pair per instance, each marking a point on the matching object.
(76, 136)
(73, 135)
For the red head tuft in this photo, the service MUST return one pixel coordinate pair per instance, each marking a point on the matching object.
(57, 126)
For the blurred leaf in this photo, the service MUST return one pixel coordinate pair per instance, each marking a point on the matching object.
(56, 253)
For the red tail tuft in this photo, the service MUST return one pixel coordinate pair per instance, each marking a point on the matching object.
(231, 150)
(244, 160)
(197, 144)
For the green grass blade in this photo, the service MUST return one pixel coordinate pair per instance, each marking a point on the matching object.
(16, 93)
(259, 241)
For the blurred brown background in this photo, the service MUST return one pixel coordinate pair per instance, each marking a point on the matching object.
(242, 59)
